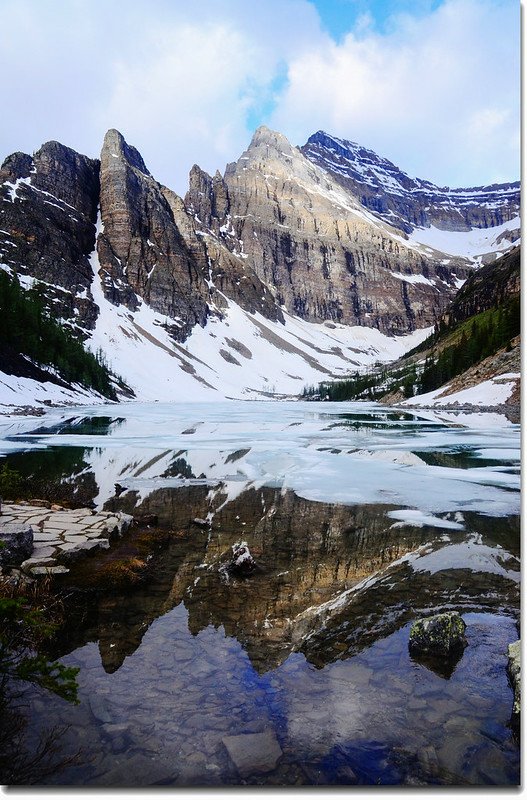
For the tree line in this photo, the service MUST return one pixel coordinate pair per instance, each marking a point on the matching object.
(472, 340)
(26, 327)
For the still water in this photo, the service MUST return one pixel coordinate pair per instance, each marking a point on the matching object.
(359, 518)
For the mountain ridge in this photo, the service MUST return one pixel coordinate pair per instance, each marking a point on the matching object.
(276, 247)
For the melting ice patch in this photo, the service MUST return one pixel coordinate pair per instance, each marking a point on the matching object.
(347, 453)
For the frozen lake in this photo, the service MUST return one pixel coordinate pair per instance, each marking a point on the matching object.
(360, 518)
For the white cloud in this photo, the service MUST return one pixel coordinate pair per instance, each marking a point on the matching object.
(184, 82)
(438, 94)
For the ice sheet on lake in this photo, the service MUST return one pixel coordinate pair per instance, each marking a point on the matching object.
(343, 453)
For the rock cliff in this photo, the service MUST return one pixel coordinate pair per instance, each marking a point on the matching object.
(47, 213)
(324, 256)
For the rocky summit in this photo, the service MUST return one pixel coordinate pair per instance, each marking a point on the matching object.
(408, 203)
(327, 234)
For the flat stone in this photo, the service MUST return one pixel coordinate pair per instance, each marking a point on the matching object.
(39, 538)
(43, 552)
(253, 753)
(56, 569)
(29, 563)
(75, 538)
(81, 550)
(53, 528)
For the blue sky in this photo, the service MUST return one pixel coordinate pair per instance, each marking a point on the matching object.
(340, 16)
(431, 84)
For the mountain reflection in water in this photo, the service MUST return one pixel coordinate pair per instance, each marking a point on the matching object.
(312, 647)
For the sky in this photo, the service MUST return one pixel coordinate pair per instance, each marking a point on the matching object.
(433, 85)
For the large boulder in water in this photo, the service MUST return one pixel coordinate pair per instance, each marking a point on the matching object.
(440, 635)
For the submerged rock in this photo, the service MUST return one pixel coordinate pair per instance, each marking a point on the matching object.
(253, 752)
(514, 670)
(440, 635)
(16, 544)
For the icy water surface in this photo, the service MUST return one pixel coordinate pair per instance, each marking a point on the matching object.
(360, 519)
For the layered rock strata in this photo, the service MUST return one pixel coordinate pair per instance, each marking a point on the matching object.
(406, 202)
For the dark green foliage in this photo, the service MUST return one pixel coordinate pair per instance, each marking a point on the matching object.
(480, 337)
(370, 385)
(10, 482)
(21, 629)
(26, 327)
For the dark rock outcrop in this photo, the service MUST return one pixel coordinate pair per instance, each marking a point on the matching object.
(441, 635)
(488, 287)
(47, 213)
(16, 544)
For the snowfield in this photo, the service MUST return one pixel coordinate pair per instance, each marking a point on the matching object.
(493, 392)
(238, 355)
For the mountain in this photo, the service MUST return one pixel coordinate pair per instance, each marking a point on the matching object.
(429, 214)
(279, 273)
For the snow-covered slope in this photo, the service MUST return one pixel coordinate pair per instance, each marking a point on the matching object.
(17, 393)
(236, 355)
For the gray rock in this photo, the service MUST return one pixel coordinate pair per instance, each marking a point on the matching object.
(139, 770)
(514, 670)
(253, 753)
(440, 635)
(81, 550)
(49, 570)
(16, 544)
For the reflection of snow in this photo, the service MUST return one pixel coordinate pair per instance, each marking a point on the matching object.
(409, 516)
(342, 453)
(468, 555)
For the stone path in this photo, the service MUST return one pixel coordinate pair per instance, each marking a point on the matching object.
(61, 535)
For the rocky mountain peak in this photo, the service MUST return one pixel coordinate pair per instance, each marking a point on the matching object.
(15, 166)
(115, 147)
(408, 203)
(265, 137)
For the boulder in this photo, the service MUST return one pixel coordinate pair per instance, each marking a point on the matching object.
(16, 544)
(441, 635)
(253, 753)
(514, 670)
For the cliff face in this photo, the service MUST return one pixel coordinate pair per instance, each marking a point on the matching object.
(148, 247)
(313, 243)
(48, 209)
(405, 202)
(489, 287)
